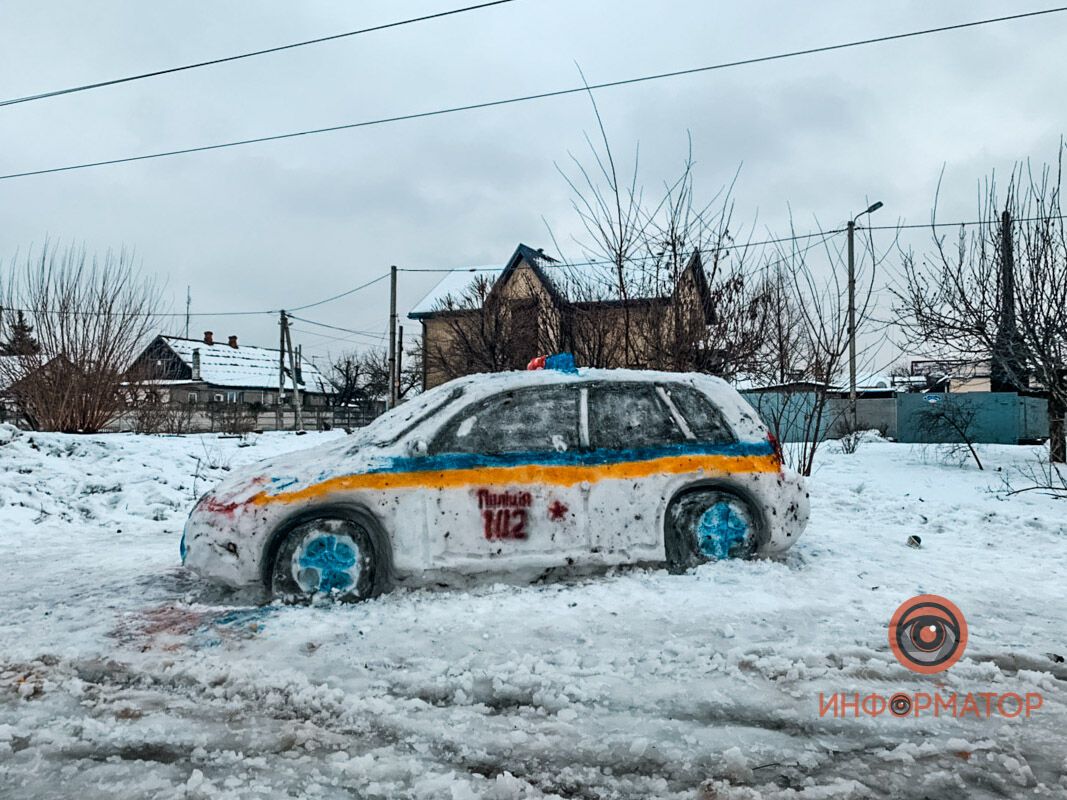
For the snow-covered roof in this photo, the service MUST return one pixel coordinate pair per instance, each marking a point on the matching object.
(244, 366)
(456, 284)
(595, 282)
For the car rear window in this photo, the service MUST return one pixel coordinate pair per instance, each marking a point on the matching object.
(625, 415)
(534, 419)
(704, 418)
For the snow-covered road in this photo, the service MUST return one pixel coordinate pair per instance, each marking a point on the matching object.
(122, 676)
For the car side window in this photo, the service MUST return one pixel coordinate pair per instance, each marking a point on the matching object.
(533, 419)
(625, 415)
(704, 418)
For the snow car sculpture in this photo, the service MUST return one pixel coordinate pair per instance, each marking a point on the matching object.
(518, 473)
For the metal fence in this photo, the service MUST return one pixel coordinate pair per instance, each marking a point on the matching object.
(998, 417)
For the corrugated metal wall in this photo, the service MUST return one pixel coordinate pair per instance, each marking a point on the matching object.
(1000, 417)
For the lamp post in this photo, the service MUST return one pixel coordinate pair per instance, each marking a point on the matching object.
(852, 312)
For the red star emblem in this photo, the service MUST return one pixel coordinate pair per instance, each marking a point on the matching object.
(557, 510)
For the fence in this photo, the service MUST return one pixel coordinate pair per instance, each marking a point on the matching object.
(999, 417)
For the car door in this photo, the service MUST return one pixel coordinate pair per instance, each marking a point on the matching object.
(631, 427)
(507, 480)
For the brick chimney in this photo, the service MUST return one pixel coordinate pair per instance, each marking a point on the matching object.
(209, 337)
(196, 363)
(233, 342)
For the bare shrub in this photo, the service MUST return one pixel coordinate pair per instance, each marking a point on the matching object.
(90, 316)
(849, 437)
(234, 418)
(950, 420)
(1042, 477)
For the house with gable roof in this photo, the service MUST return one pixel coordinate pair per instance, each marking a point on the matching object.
(211, 378)
(487, 319)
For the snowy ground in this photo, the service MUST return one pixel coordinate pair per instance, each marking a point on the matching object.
(121, 676)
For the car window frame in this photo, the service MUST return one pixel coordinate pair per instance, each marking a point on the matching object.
(477, 406)
(668, 407)
(667, 385)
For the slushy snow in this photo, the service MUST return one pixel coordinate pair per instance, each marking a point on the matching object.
(121, 675)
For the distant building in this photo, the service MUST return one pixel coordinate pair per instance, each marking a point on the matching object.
(217, 382)
(953, 375)
(486, 319)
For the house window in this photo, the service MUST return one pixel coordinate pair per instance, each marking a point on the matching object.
(233, 397)
(192, 397)
(218, 397)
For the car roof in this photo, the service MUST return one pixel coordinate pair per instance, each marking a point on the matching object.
(539, 377)
(739, 414)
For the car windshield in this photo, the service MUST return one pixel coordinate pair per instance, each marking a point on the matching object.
(393, 424)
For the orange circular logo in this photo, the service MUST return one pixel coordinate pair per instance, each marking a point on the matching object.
(928, 634)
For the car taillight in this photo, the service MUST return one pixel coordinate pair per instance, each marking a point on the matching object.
(777, 448)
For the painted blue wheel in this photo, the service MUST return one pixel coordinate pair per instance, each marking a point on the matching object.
(709, 525)
(326, 563)
(722, 530)
(326, 557)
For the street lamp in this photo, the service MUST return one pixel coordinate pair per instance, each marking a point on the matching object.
(852, 311)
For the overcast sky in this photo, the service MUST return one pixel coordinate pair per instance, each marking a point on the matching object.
(286, 223)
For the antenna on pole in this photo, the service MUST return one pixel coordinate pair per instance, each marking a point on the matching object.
(188, 302)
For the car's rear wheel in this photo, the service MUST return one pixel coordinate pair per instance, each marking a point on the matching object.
(710, 524)
(328, 556)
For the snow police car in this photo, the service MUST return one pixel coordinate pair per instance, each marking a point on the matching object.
(516, 473)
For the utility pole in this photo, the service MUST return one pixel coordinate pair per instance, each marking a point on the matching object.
(279, 413)
(188, 303)
(391, 403)
(299, 374)
(292, 369)
(852, 324)
(852, 312)
(399, 359)
(1008, 365)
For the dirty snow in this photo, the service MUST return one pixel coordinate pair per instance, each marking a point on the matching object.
(122, 676)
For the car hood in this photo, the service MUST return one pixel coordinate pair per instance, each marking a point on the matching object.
(292, 472)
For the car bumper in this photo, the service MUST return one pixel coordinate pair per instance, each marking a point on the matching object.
(786, 511)
(225, 548)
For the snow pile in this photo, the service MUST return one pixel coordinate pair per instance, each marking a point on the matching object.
(122, 676)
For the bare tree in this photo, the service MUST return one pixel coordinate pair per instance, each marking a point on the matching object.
(91, 315)
(803, 355)
(490, 331)
(999, 290)
(662, 282)
(361, 377)
(949, 419)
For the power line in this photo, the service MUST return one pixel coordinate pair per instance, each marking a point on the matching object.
(821, 235)
(381, 277)
(212, 62)
(928, 225)
(607, 262)
(326, 337)
(336, 328)
(170, 314)
(530, 97)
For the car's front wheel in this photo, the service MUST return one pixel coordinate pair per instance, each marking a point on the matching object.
(709, 524)
(328, 556)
